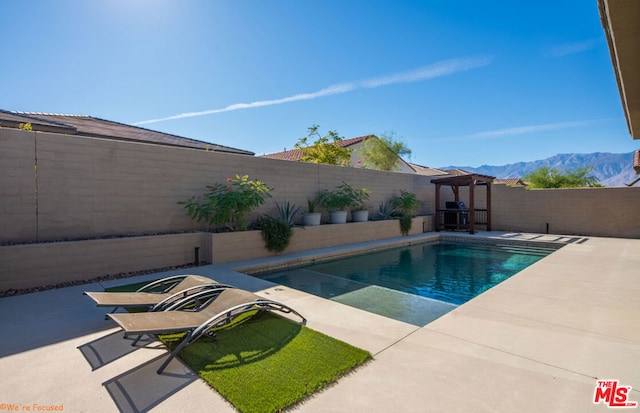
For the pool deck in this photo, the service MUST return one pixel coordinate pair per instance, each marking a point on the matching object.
(537, 342)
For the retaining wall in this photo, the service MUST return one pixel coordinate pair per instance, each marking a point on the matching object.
(51, 263)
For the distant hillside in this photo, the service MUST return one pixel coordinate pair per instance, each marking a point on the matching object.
(612, 169)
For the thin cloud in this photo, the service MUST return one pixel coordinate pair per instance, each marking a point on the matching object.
(520, 130)
(435, 70)
(566, 49)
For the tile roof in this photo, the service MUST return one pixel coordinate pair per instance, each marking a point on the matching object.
(287, 155)
(425, 170)
(296, 154)
(84, 125)
(509, 181)
(457, 172)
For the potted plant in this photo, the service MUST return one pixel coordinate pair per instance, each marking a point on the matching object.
(360, 212)
(311, 218)
(228, 205)
(338, 200)
(406, 205)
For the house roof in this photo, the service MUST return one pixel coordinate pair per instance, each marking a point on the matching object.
(621, 23)
(84, 125)
(427, 171)
(296, 154)
(509, 181)
(457, 172)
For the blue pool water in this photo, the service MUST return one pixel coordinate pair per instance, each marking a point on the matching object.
(416, 283)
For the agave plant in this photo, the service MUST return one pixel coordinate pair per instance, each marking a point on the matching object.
(385, 210)
(288, 212)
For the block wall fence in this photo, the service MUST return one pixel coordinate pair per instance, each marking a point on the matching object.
(67, 187)
(58, 187)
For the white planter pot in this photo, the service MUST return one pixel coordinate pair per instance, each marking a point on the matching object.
(360, 216)
(311, 219)
(338, 217)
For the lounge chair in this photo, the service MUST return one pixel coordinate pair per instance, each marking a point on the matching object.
(197, 315)
(157, 295)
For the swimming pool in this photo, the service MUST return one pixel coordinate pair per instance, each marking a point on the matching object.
(415, 283)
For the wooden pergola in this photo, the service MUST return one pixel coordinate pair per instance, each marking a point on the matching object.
(474, 215)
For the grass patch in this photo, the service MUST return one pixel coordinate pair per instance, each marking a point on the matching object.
(128, 287)
(266, 363)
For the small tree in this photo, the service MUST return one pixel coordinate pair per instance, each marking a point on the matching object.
(383, 153)
(325, 149)
(228, 204)
(546, 177)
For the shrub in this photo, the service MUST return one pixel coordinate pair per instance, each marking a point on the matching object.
(275, 232)
(229, 204)
(406, 205)
(343, 197)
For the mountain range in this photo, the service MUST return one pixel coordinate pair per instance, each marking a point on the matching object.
(612, 169)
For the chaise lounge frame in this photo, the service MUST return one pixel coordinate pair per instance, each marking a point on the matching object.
(157, 295)
(198, 314)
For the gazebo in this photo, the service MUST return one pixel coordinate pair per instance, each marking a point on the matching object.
(467, 217)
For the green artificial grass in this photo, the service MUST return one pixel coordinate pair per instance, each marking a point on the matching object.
(127, 288)
(265, 363)
(268, 362)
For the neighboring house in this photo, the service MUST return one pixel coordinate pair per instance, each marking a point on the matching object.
(89, 126)
(457, 172)
(510, 181)
(356, 159)
(427, 171)
(620, 23)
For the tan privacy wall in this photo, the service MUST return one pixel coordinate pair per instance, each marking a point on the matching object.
(606, 212)
(66, 187)
(56, 187)
(18, 218)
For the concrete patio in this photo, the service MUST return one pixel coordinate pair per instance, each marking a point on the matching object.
(538, 342)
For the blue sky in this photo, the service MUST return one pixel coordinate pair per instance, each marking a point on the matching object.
(460, 82)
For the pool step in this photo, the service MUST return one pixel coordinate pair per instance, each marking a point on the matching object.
(398, 305)
(517, 249)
